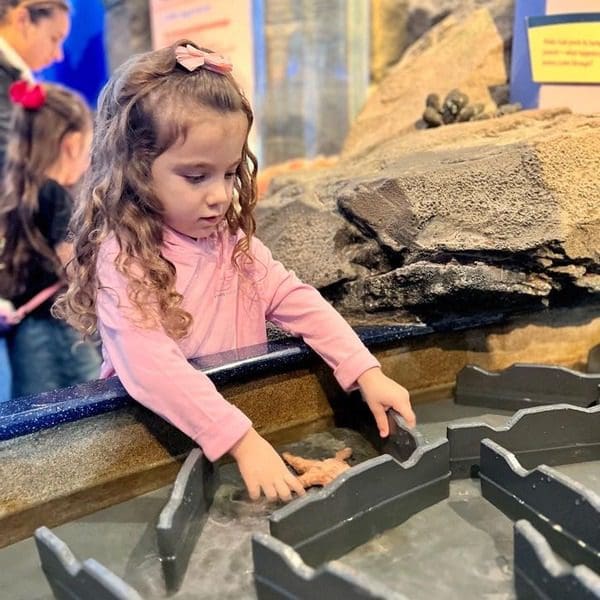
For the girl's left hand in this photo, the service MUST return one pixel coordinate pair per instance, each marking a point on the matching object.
(382, 393)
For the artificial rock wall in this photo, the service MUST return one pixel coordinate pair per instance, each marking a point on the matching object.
(464, 218)
(397, 24)
(412, 224)
(464, 51)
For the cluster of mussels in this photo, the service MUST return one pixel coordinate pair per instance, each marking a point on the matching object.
(456, 109)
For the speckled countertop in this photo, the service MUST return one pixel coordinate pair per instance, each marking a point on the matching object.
(34, 413)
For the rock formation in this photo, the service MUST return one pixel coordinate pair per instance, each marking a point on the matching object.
(397, 24)
(476, 216)
(464, 53)
(456, 108)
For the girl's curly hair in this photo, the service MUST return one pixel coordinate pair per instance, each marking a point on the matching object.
(144, 109)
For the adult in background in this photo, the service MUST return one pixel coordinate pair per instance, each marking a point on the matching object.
(31, 36)
(32, 33)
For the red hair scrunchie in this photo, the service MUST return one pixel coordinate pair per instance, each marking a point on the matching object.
(27, 95)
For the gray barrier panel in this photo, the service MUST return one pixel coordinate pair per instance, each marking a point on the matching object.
(181, 521)
(540, 574)
(525, 386)
(281, 574)
(367, 499)
(550, 435)
(73, 580)
(566, 513)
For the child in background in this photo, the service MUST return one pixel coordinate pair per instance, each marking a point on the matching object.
(5, 374)
(167, 267)
(48, 149)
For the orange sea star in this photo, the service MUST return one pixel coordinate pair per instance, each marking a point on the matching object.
(318, 472)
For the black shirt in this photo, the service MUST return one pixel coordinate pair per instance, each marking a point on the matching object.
(52, 220)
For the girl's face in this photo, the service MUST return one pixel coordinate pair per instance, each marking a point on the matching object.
(194, 178)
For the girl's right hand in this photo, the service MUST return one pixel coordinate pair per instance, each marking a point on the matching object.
(263, 469)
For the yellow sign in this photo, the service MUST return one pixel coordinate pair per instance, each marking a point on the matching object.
(565, 48)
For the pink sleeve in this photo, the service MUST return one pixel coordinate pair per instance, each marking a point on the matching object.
(301, 310)
(155, 372)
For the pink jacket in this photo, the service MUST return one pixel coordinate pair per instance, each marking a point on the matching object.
(229, 313)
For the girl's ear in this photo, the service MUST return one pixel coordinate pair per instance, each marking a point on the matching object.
(71, 145)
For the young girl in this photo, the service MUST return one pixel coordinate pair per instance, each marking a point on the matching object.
(48, 149)
(167, 267)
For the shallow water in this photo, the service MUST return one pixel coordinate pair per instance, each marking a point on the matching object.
(223, 552)
(458, 548)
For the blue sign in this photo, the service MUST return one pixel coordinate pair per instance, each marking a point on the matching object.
(522, 87)
(84, 67)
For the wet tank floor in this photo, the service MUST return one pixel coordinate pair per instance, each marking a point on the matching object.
(459, 548)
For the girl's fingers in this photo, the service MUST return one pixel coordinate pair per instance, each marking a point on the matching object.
(253, 489)
(381, 419)
(270, 491)
(406, 412)
(283, 490)
(294, 484)
(410, 418)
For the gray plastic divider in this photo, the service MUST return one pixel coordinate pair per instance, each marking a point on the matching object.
(369, 498)
(566, 513)
(526, 385)
(366, 500)
(73, 580)
(402, 442)
(291, 578)
(552, 435)
(540, 574)
(181, 521)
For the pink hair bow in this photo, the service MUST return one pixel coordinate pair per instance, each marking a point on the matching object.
(191, 58)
